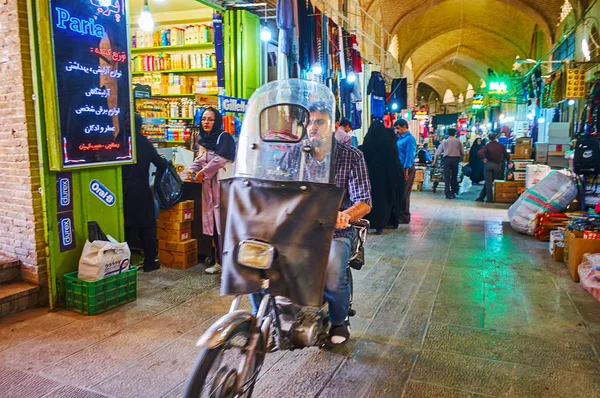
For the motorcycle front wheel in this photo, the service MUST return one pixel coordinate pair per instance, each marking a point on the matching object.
(217, 370)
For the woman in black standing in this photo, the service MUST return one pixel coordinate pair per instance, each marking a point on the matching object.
(138, 200)
(381, 155)
(475, 162)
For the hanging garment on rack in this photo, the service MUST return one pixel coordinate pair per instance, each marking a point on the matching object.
(219, 48)
(347, 52)
(376, 85)
(304, 35)
(285, 24)
(293, 61)
(356, 119)
(356, 58)
(341, 53)
(399, 93)
(377, 106)
(319, 55)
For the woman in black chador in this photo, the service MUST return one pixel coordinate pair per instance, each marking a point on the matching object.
(475, 162)
(381, 155)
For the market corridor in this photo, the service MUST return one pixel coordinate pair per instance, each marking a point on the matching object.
(454, 305)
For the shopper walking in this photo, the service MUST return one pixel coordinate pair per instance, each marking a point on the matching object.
(424, 156)
(475, 162)
(381, 156)
(215, 149)
(342, 131)
(452, 151)
(494, 155)
(138, 201)
(407, 148)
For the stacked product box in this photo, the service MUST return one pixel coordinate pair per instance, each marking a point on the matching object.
(523, 148)
(176, 249)
(559, 142)
(516, 169)
(508, 191)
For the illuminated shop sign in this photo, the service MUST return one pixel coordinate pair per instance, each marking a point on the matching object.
(421, 115)
(90, 42)
(497, 87)
(478, 102)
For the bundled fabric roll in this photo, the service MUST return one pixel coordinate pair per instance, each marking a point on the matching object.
(553, 194)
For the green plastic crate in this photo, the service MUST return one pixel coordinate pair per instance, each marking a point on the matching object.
(91, 298)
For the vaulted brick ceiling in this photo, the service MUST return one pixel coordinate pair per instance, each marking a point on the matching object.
(454, 42)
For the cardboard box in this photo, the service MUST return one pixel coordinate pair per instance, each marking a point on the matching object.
(526, 142)
(178, 260)
(174, 225)
(185, 205)
(508, 186)
(522, 152)
(505, 197)
(541, 153)
(182, 247)
(559, 251)
(419, 175)
(180, 216)
(173, 235)
(575, 248)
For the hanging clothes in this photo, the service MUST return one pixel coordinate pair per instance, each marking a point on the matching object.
(376, 88)
(285, 24)
(356, 58)
(219, 48)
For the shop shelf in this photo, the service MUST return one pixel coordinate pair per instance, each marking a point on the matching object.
(173, 95)
(160, 49)
(91, 298)
(176, 71)
(179, 118)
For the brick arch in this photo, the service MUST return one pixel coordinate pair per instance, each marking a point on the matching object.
(452, 34)
(470, 56)
(477, 67)
(455, 80)
(468, 74)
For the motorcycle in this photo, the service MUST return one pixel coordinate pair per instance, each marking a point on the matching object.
(278, 215)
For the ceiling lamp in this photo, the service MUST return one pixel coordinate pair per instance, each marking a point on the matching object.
(317, 69)
(265, 33)
(351, 78)
(145, 21)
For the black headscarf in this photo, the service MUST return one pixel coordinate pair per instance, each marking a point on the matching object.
(225, 146)
(377, 138)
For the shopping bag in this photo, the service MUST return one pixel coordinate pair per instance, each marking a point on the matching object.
(100, 259)
(168, 187)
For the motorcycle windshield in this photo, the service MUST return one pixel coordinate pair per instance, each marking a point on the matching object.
(287, 133)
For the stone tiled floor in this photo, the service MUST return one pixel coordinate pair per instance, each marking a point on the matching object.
(454, 305)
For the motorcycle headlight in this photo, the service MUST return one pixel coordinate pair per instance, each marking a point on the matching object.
(255, 254)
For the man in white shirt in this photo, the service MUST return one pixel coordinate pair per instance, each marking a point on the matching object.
(453, 151)
(342, 131)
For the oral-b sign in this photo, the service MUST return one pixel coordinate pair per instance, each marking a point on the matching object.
(103, 193)
(233, 105)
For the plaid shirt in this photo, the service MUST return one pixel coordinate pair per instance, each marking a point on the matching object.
(351, 174)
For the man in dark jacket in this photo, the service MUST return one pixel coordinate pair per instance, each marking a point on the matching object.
(494, 155)
(138, 200)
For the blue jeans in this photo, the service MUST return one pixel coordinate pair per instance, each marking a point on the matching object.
(337, 287)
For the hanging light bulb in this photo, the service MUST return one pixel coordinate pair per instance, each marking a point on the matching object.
(317, 69)
(145, 21)
(351, 78)
(265, 33)
(541, 120)
(394, 105)
(571, 102)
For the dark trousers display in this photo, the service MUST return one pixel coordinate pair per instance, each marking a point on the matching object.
(147, 237)
(492, 172)
(403, 212)
(451, 175)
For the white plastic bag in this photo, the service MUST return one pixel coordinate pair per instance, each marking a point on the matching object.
(100, 259)
(553, 194)
(535, 173)
(589, 274)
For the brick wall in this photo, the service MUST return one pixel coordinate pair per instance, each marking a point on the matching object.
(21, 217)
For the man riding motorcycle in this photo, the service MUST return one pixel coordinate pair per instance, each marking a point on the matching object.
(351, 175)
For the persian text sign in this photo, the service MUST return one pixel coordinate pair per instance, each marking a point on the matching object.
(90, 42)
